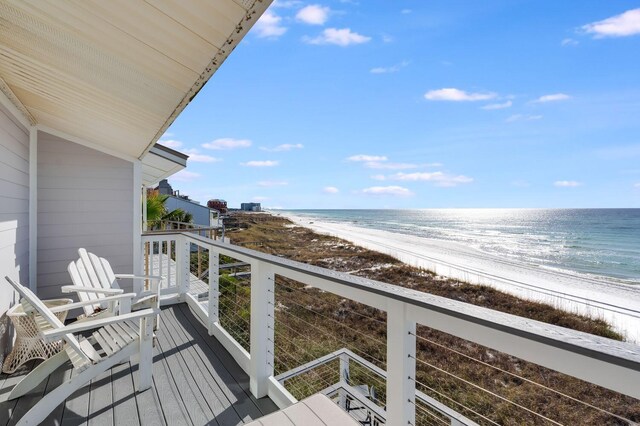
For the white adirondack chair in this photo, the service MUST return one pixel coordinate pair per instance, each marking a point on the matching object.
(93, 280)
(115, 340)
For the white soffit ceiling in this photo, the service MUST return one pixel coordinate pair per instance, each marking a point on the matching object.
(116, 73)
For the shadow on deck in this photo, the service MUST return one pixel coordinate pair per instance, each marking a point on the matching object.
(195, 382)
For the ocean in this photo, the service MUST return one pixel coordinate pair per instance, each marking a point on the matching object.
(591, 242)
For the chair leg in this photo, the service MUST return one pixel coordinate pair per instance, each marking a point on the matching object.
(145, 360)
(38, 374)
(55, 397)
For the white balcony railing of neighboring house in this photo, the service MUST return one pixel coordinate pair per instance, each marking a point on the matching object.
(246, 315)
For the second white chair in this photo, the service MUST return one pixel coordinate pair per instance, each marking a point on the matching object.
(93, 280)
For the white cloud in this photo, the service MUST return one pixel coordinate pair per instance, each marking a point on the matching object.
(406, 11)
(439, 178)
(378, 177)
(283, 147)
(265, 163)
(637, 185)
(391, 69)
(340, 37)
(364, 157)
(195, 156)
(623, 25)
(566, 183)
(523, 117)
(389, 166)
(171, 143)
(259, 198)
(387, 190)
(268, 26)
(456, 95)
(503, 105)
(286, 4)
(330, 190)
(227, 143)
(272, 183)
(552, 98)
(569, 42)
(386, 38)
(314, 14)
(185, 176)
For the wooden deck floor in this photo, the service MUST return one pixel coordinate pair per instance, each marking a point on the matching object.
(195, 382)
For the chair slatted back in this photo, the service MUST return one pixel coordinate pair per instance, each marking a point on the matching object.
(47, 320)
(102, 269)
(94, 272)
(79, 277)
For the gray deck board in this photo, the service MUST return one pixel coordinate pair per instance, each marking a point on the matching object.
(230, 371)
(101, 401)
(195, 382)
(125, 406)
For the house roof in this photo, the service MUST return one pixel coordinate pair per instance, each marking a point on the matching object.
(160, 163)
(115, 74)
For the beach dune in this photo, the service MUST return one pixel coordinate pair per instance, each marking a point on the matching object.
(616, 303)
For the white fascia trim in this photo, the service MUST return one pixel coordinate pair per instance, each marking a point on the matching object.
(79, 141)
(11, 102)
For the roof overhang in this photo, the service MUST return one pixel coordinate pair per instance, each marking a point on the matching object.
(160, 163)
(115, 73)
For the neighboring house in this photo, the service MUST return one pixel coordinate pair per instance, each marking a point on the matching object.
(250, 207)
(80, 116)
(219, 205)
(202, 215)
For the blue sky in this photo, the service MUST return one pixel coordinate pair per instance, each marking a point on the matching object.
(420, 104)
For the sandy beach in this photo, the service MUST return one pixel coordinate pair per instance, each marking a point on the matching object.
(618, 304)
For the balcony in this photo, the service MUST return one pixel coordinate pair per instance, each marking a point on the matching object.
(242, 334)
(262, 310)
(195, 382)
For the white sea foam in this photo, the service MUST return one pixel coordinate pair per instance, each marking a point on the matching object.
(598, 297)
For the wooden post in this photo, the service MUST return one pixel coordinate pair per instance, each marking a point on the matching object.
(145, 361)
(183, 255)
(262, 327)
(146, 263)
(199, 261)
(214, 290)
(401, 365)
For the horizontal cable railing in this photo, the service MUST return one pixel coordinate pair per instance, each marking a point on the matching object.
(413, 358)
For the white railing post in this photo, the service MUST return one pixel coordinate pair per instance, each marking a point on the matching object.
(344, 375)
(262, 326)
(214, 290)
(183, 256)
(401, 365)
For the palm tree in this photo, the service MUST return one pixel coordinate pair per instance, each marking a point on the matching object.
(157, 212)
(178, 215)
(156, 209)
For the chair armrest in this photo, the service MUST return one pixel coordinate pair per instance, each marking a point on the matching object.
(79, 288)
(139, 277)
(70, 306)
(154, 280)
(77, 327)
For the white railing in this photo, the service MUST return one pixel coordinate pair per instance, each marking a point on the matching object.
(608, 363)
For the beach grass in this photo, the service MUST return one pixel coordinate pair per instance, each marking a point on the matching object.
(311, 323)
